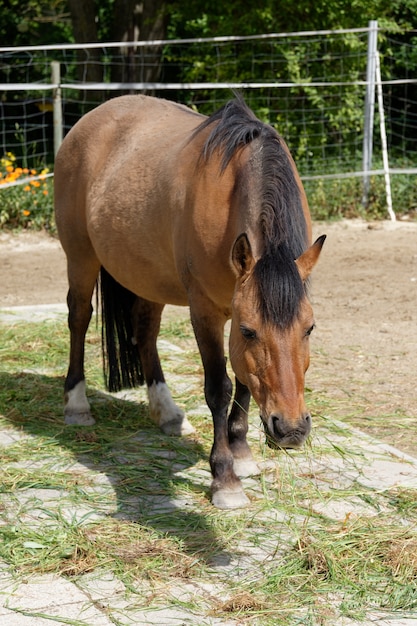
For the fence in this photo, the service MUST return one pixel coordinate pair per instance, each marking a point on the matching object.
(317, 88)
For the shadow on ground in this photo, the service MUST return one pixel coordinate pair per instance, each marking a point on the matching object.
(147, 470)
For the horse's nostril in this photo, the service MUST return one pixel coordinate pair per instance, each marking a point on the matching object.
(277, 425)
(307, 423)
(281, 428)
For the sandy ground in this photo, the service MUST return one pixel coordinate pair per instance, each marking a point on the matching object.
(364, 293)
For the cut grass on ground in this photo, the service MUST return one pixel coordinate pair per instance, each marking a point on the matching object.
(120, 496)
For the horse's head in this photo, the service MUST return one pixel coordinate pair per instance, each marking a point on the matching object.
(270, 357)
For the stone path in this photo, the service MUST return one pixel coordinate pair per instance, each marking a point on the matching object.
(99, 598)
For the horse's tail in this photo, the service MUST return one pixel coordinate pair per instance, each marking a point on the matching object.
(121, 361)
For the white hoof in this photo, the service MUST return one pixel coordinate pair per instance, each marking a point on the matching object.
(81, 419)
(77, 408)
(178, 428)
(230, 499)
(163, 410)
(245, 467)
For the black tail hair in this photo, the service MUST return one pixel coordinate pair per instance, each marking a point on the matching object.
(121, 362)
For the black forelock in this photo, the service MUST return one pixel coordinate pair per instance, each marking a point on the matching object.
(279, 287)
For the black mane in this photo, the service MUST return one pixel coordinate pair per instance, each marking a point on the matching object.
(281, 217)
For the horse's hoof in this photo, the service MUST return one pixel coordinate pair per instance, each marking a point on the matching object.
(166, 413)
(245, 467)
(79, 419)
(230, 499)
(178, 427)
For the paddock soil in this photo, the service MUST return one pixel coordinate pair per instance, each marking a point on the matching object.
(364, 291)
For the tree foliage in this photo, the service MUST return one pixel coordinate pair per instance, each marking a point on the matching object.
(38, 22)
(34, 22)
(203, 18)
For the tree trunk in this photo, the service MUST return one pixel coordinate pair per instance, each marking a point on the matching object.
(83, 16)
(139, 21)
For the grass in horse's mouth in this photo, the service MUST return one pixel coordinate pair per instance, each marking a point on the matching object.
(120, 497)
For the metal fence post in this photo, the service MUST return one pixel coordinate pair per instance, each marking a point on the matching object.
(57, 104)
(369, 108)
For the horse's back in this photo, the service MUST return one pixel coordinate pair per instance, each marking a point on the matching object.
(119, 189)
(120, 131)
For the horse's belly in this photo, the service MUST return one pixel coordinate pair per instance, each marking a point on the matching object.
(152, 276)
(156, 288)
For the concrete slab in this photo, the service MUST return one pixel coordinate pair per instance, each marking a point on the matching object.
(43, 599)
(32, 313)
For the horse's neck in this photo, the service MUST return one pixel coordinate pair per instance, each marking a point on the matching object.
(249, 205)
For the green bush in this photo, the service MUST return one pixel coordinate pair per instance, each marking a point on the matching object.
(30, 204)
(342, 198)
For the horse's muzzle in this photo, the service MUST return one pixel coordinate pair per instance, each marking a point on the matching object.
(281, 434)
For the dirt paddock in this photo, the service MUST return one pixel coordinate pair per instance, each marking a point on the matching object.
(364, 293)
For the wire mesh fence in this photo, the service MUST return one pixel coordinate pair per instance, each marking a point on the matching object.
(311, 86)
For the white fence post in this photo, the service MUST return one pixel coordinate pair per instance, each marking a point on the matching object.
(369, 108)
(384, 139)
(57, 103)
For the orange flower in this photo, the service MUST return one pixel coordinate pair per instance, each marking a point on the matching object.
(26, 212)
(27, 188)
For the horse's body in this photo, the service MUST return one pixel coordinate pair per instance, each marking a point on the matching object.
(205, 212)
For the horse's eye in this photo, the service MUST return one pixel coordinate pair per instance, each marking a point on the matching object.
(248, 333)
(310, 330)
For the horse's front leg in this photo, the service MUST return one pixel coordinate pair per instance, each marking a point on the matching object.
(146, 321)
(226, 488)
(243, 462)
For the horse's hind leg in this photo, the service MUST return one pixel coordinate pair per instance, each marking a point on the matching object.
(162, 408)
(82, 279)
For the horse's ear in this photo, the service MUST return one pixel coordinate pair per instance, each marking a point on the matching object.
(242, 256)
(309, 258)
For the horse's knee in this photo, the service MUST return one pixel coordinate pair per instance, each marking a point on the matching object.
(218, 394)
(79, 312)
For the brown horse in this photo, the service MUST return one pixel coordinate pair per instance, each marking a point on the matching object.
(171, 207)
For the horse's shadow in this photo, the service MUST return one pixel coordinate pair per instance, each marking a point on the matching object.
(152, 476)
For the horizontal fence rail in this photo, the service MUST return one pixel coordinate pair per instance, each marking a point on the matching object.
(312, 86)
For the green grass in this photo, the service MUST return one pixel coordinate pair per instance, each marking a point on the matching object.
(122, 497)
(332, 199)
